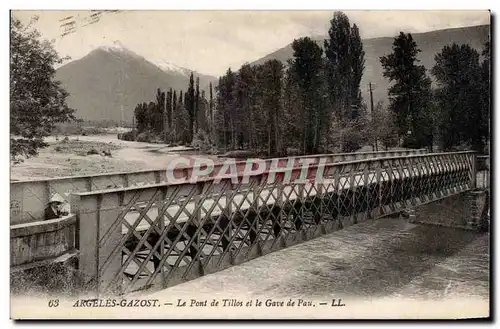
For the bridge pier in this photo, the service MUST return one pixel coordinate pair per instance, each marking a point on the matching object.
(467, 210)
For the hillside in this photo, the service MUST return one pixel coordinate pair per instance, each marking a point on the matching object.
(112, 77)
(430, 43)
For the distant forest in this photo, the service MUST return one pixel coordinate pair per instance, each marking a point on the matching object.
(313, 104)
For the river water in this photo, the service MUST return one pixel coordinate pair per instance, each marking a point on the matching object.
(373, 260)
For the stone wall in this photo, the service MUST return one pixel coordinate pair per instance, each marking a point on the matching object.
(466, 210)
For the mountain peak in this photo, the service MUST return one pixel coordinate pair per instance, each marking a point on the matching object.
(169, 67)
(115, 46)
(172, 68)
(113, 77)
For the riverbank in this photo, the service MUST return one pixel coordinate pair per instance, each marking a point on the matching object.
(72, 157)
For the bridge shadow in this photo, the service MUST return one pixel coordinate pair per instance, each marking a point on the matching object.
(380, 269)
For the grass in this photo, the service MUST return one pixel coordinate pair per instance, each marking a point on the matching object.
(45, 280)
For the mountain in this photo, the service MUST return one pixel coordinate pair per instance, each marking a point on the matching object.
(112, 77)
(430, 44)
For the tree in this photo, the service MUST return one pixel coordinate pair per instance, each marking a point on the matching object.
(257, 114)
(169, 110)
(344, 67)
(244, 84)
(224, 120)
(458, 74)
(294, 123)
(211, 108)
(174, 101)
(271, 81)
(485, 105)
(152, 113)
(381, 128)
(203, 113)
(37, 100)
(189, 102)
(173, 128)
(141, 117)
(182, 123)
(357, 57)
(198, 113)
(308, 65)
(159, 115)
(410, 95)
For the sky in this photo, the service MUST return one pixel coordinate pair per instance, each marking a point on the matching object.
(211, 41)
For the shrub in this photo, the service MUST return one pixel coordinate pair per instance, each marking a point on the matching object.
(201, 141)
(352, 140)
(145, 136)
(291, 151)
(410, 142)
(240, 154)
(128, 136)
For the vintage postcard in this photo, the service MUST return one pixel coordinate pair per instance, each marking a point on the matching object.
(250, 164)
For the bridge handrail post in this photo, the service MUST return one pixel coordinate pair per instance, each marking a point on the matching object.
(87, 240)
(198, 217)
(228, 208)
(378, 180)
(96, 215)
(473, 162)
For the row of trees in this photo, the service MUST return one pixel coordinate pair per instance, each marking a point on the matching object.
(274, 107)
(456, 112)
(175, 116)
(313, 102)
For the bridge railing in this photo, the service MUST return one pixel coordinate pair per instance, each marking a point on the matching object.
(29, 198)
(163, 234)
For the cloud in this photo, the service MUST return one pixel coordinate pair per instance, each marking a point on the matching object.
(211, 41)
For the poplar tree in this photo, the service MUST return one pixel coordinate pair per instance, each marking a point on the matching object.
(189, 103)
(410, 94)
(344, 67)
(307, 63)
(459, 95)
